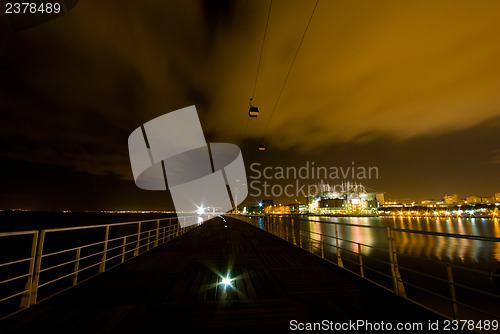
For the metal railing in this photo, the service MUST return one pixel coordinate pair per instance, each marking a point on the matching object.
(61, 258)
(22, 276)
(428, 282)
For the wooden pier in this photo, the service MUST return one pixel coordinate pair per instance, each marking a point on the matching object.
(179, 287)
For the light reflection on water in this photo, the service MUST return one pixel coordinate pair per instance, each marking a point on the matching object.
(457, 250)
(364, 249)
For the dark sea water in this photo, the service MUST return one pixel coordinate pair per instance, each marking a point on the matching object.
(38, 220)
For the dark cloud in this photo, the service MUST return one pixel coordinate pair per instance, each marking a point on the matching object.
(369, 76)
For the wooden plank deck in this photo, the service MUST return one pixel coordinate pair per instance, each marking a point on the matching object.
(176, 287)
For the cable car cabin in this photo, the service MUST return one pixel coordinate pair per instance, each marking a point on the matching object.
(262, 147)
(253, 112)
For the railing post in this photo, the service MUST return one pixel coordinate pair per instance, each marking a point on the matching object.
(149, 240)
(452, 290)
(77, 266)
(157, 233)
(38, 265)
(339, 257)
(397, 282)
(361, 269)
(163, 238)
(124, 247)
(25, 301)
(102, 266)
(137, 245)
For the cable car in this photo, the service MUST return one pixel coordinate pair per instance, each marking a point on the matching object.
(254, 111)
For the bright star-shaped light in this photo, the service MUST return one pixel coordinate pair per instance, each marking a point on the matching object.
(226, 281)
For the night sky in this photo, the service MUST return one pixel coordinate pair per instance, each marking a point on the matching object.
(410, 87)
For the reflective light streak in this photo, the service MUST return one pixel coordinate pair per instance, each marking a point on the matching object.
(226, 281)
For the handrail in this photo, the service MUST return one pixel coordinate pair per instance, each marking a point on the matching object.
(14, 278)
(105, 225)
(17, 261)
(315, 243)
(90, 245)
(129, 245)
(17, 233)
(12, 296)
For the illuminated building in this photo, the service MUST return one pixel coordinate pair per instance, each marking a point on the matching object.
(381, 198)
(280, 209)
(451, 199)
(479, 199)
(344, 199)
(473, 199)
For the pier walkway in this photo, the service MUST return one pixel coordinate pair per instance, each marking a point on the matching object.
(179, 287)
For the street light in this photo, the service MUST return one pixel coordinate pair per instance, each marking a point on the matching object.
(236, 196)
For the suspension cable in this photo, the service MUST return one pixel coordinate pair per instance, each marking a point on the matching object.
(262, 47)
(290, 69)
(260, 59)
